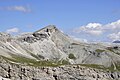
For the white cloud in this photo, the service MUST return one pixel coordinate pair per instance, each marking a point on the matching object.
(79, 39)
(91, 28)
(113, 26)
(114, 36)
(95, 32)
(110, 30)
(17, 8)
(12, 30)
(93, 25)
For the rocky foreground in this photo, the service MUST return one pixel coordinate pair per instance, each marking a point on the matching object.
(9, 71)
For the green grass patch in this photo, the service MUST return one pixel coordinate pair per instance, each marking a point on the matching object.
(117, 53)
(74, 44)
(114, 51)
(93, 66)
(118, 67)
(29, 62)
(99, 50)
(65, 62)
(102, 67)
(111, 49)
(71, 56)
(32, 62)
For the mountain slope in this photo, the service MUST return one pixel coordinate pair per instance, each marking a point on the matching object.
(49, 44)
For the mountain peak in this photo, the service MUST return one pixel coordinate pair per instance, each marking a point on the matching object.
(48, 31)
(49, 28)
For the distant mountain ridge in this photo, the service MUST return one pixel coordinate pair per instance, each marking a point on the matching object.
(117, 41)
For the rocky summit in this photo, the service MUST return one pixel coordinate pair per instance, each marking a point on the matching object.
(49, 54)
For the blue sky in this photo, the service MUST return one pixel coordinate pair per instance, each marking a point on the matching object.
(68, 15)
